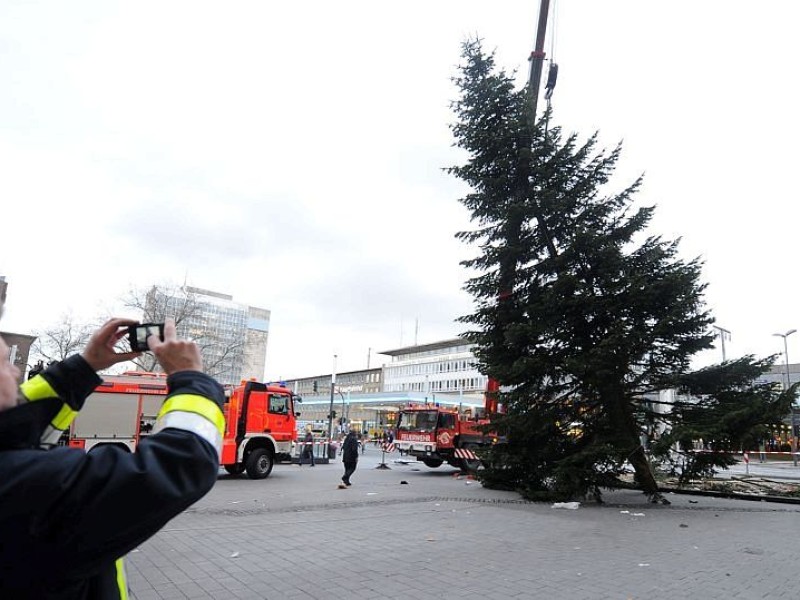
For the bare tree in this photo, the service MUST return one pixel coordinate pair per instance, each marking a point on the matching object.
(218, 355)
(62, 339)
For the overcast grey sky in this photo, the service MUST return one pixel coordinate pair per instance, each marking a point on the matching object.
(291, 154)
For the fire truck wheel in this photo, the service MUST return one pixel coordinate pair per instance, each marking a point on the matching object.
(469, 464)
(236, 469)
(259, 463)
(432, 463)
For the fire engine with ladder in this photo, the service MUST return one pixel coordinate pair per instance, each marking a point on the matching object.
(436, 434)
(260, 420)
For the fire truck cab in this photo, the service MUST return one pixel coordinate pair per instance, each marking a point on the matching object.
(435, 435)
(260, 427)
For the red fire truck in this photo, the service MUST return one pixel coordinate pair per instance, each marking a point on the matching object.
(260, 420)
(435, 434)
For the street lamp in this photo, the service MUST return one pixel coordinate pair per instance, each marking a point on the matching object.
(344, 418)
(333, 391)
(788, 385)
(723, 334)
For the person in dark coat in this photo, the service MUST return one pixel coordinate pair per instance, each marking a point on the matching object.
(67, 517)
(308, 447)
(349, 456)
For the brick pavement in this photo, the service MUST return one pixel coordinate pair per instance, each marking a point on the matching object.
(295, 536)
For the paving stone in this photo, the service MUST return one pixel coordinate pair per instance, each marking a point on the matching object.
(298, 537)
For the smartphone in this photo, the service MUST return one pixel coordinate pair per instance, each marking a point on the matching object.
(138, 334)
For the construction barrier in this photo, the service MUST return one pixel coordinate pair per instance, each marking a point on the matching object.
(321, 449)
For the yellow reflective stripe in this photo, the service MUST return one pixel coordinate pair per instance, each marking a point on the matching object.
(64, 417)
(122, 580)
(195, 404)
(37, 389)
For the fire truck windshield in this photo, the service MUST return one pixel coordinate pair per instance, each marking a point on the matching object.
(418, 420)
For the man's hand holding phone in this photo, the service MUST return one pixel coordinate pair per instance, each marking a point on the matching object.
(173, 354)
(100, 353)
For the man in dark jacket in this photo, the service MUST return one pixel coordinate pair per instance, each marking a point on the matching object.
(349, 456)
(308, 447)
(66, 517)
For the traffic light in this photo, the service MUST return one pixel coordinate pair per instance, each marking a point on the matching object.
(315, 387)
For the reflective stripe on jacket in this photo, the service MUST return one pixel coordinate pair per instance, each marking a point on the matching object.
(77, 380)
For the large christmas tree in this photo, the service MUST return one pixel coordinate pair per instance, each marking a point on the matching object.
(578, 313)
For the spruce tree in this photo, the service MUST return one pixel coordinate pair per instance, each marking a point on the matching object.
(577, 312)
(727, 406)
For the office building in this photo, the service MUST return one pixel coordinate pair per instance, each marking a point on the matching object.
(232, 336)
(446, 367)
(19, 344)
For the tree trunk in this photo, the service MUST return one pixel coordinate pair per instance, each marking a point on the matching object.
(623, 421)
(644, 475)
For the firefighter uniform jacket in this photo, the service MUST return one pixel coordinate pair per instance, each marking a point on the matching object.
(67, 517)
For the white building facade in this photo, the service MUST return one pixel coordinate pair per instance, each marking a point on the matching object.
(446, 367)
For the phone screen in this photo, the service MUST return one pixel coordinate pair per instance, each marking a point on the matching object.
(138, 334)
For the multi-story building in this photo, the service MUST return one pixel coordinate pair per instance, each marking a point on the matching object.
(232, 336)
(446, 367)
(356, 400)
(778, 374)
(255, 343)
(786, 375)
(19, 344)
(367, 381)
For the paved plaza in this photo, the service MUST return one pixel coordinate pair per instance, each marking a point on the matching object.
(414, 533)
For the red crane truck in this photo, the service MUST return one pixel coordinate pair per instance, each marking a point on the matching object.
(260, 420)
(435, 434)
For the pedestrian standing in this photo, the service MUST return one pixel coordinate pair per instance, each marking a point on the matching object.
(349, 456)
(308, 447)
